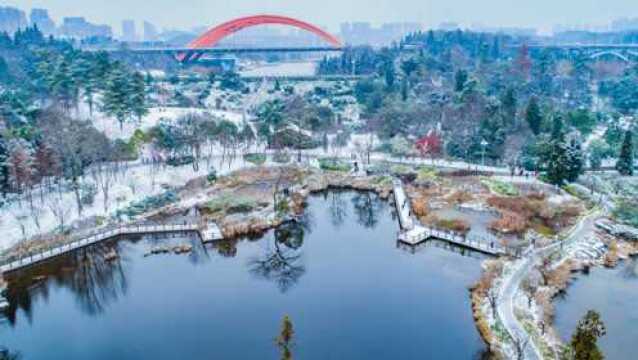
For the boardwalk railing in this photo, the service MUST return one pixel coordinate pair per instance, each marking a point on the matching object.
(414, 234)
(207, 233)
(422, 233)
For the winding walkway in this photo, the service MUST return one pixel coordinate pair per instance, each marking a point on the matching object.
(511, 284)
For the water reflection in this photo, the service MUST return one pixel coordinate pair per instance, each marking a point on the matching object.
(367, 208)
(337, 207)
(282, 259)
(96, 276)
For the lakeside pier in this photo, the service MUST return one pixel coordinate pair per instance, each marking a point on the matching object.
(413, 233)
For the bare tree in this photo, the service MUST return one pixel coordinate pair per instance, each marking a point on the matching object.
(59, 210)
(492, 297)
(35, 213)
(104, 179)
(21, 219)
(520, 344)
(545, 269)
(530, 288)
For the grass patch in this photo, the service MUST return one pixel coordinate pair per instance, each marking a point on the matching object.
(427, 173)
(147, 204)
(255, 158)
(382, 180)
(331, 164)
(456, 225)
(626, 211)
(230, 204)
(500, 187)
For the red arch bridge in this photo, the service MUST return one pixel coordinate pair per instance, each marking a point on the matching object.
(207, 42)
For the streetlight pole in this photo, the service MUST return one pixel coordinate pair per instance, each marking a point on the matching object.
(483, 144)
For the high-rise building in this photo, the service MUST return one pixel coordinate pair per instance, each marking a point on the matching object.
(12, 19)
(78, 27)
(150, 32)
(40, 18)
(128, 30)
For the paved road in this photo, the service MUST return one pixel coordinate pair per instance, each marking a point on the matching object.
(512, 283)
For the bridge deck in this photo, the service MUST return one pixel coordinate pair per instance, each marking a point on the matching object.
(210, 232)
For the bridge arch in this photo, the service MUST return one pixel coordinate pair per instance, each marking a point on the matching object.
(615, 54)
(217, 33)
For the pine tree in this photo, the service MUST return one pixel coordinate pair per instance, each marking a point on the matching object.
(533, 116)
(508, 103)
(116, 100)
(460, 78)
(4, 169)
(284, 340)
(584, 341)
(404, 89)
(137, 103)
(575, 160)
(557, 161)
(63, 85)
(625, 163)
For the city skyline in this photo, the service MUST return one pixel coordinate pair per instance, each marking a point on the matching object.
(543, 15)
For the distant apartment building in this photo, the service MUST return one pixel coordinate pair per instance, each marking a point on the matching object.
(625, 24)
(514, 31)
(12, 19)
(41, 18)
(150, 32)
(79, 28)
(363, 33)
(128, 31)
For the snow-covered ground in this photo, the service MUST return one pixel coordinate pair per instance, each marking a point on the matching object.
(112, 129)
(136, 183)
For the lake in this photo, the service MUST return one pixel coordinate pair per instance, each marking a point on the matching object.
(611, 292)
(339, 275)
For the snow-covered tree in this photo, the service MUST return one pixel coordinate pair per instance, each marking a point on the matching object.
(625, 163)
(575, 161)
(20, 165)
(116, 99)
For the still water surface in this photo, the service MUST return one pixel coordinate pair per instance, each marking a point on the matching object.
(611, 292)
(350, 292)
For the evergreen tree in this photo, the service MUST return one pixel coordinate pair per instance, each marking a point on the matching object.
(625, 163)
(116, 98)
(389, 74)
(584, 341)
(4, 169)
(63, 84)
(137, 97)
(533, 116)
(557, 159)
(575, 161)
(284, 340)
(508, 103)
(83, 72)
(404, 89)
(460, 78)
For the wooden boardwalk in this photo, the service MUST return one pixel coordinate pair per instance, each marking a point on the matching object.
(208, 232)
(413, 233)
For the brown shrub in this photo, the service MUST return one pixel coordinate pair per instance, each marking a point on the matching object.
(509, 223)
(458, 197)
(456, 225)
(420, 206)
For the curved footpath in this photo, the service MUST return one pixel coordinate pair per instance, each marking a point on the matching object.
(511, 284)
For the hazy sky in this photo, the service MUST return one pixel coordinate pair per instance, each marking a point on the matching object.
(188, 13)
